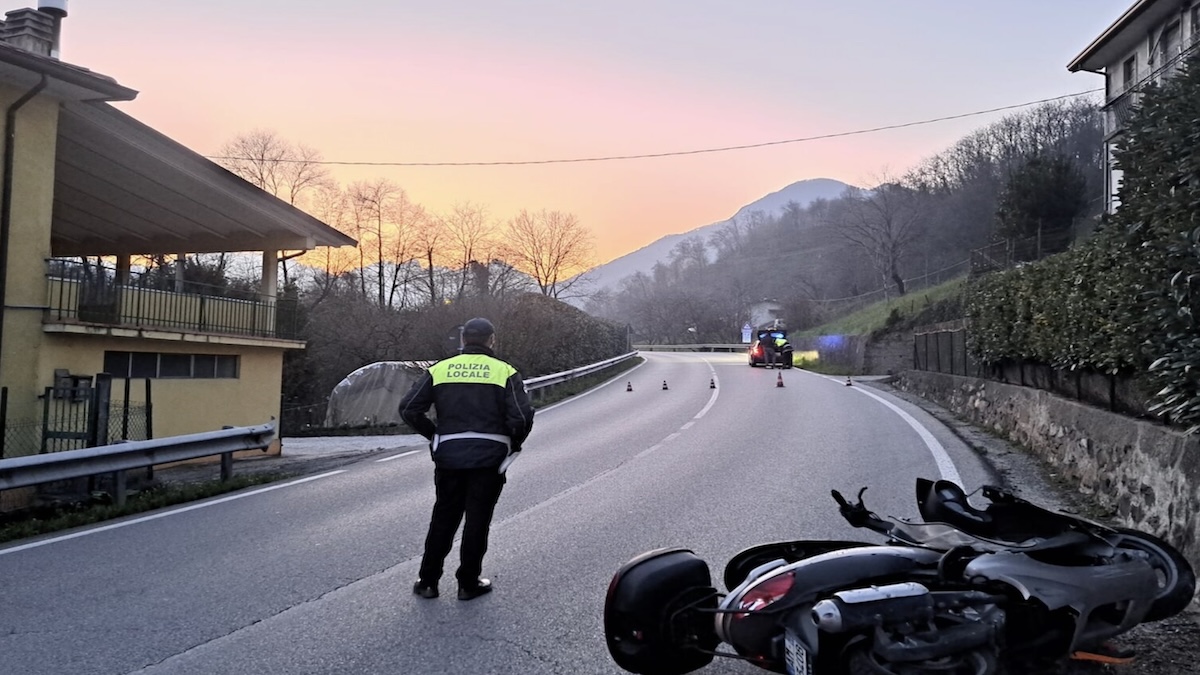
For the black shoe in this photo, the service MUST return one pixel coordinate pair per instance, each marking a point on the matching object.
(472, 591)
(425, 590)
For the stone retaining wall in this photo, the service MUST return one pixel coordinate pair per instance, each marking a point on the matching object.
(1148, 474)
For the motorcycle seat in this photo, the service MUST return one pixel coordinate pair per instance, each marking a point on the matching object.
(946, 502)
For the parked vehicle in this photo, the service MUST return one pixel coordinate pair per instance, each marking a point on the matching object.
(1009, 588)
(757, 352)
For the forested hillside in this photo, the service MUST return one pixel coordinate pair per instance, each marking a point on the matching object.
(909, 230)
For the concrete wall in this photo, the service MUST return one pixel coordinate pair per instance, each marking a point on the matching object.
(892, 353)
(181, 406)
(29, 246)
(1147, 474)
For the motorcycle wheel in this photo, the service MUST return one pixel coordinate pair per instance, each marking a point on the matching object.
(1176, 579)
(863, 661)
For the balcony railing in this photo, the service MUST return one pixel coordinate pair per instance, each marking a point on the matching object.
(87, 293)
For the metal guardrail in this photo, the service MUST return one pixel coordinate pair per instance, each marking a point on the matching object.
(544, 381)
(120, 457)
(704, 347)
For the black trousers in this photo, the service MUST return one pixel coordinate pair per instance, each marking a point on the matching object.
(461, 493)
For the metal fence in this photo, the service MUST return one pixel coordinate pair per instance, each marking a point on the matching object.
(943, 349)
(75, 417)
(92, 293)
(1002, 255)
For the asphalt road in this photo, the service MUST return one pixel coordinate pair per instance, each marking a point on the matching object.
(314, 575)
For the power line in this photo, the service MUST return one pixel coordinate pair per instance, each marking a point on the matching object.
(681, 153)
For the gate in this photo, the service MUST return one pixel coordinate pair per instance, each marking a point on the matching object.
(75, 413)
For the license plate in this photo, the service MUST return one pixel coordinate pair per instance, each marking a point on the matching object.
(795, 656)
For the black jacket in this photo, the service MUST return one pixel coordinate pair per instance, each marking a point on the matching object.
(483, 412)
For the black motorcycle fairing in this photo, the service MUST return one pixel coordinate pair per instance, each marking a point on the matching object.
(751, 633)
(742, 563)
(1107, 599)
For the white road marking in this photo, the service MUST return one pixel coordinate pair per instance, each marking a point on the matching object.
(164, 514)
(403, 454)
(940, 457)
(712, 400)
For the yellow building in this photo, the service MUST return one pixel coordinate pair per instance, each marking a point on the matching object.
(84, 183)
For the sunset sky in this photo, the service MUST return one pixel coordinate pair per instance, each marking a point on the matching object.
(499, 80)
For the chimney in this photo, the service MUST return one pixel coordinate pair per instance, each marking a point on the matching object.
(30, 30)
(35, 30)
(57, 9)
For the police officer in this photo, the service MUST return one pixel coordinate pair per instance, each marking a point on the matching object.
(483, 417)
(781, 344)
(768, 345)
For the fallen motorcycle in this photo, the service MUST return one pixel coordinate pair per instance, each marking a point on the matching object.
(1012, 587)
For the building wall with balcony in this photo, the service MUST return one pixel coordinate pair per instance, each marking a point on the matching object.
(197, 385)
(1157, 54)
(29, 244)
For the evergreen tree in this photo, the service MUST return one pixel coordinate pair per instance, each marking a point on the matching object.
(1159, 214)
(1042, 199)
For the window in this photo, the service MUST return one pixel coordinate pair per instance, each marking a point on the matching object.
(1170, 42)
(174, 365)
(1128, 71)
(138, 365)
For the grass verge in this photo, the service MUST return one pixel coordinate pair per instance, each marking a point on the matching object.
(882, 315)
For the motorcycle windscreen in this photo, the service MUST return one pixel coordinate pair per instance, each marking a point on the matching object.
(943, 537)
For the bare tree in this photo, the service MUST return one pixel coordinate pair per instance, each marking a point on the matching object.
(284, 169)
(330, 204)
(374, 205)
(469, 234)
(428, 243)
(408, 217)
(884, 223)
(552, 247)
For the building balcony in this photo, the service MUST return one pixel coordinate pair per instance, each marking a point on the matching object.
(1122, 102)
(89, 294)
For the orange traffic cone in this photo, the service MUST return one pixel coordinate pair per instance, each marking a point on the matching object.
(628, 386)
(664, 385)
(779, 380)
(848, 383)
(712, 384)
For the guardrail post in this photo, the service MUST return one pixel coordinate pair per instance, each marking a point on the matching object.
(119, 488)
(101, 400)
(3, 418)
(226, 466)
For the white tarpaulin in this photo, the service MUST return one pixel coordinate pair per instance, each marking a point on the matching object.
(370, 396)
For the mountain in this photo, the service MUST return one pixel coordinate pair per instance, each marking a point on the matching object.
(642, 260)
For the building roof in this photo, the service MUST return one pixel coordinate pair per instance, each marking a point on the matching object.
(1124, 34)
(123, 188)
(23, 68)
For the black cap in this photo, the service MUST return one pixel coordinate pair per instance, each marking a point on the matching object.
(478, 329)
